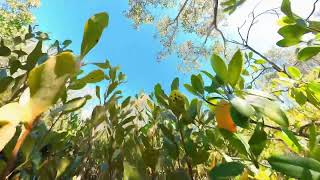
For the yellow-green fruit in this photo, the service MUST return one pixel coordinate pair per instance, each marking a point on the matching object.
(176, 101)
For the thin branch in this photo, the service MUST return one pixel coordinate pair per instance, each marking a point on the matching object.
(176, 19)
(313, 9)
(278, 129)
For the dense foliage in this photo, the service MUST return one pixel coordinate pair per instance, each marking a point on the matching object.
(230, 128)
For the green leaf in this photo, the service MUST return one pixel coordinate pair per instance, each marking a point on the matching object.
(294, 166)
(308, 52)
(66, 43)
(313, 145)
(93, 77)
(98, 92)
(4, 51)
(125, 102)
(236, 142)
(299, 96)
(14, 65)
(288, 42)
(50, 76)
(242, 106)
(162, 98)
(210, 76)
(219, 67)
(92, 31)
(258, 140)
(226, 170)
(294, 72)
(286, 8)
(269, 109)
(33, 57)
(98, 115)
(235, 68)
(260, 61)
(197, 84)
(175, 84)
(62, 166)
(191, 89)
(74, 104)
(238, 118)
(293, 138)
(292, 31)
(10, 116)
(104, 65)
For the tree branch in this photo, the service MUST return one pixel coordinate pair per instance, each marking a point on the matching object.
(313, 9)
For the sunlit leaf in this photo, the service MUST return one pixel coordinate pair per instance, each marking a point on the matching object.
(175, 84)
(294, 166)
(308, 52)
(294, 72)
(235, 68)
(92, 31)
(219, 67)
(226, 170)
(47, 80)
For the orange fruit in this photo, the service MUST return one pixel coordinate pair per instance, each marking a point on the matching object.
(223, 116)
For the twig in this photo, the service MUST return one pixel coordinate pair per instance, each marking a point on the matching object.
(278, 129)
(313, 9)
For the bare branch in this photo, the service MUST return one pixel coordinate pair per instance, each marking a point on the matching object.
(313, 9)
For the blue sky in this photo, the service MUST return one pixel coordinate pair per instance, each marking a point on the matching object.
(135, 51)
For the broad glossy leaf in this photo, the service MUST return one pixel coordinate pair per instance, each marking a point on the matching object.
(92, 31)
(293, 138)
(4, 51)
(175, 84)
(239, 119)
(292, 31)
(308, 52)
(98, 115)
(34, 56)
(10, 116)
(226, 170)
(66, 43)
(197, 84)
(219, 67)
(294, 72)
(104, 65)
(260, 61)
(48, 80)
(235, 68)
(14, 65)
(160, 95)
(236, 142)
(125, 102)
(294, 166)
(258, 140)
(62, 166)
(74, 104)
(269, 109)
(288, 42)
(242, 106)
(313, 145)
(299, 96)
(191, 89)
(93, 77)
(98, 92)
(286, 8)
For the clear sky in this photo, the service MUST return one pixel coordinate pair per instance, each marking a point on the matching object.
(135, 51)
